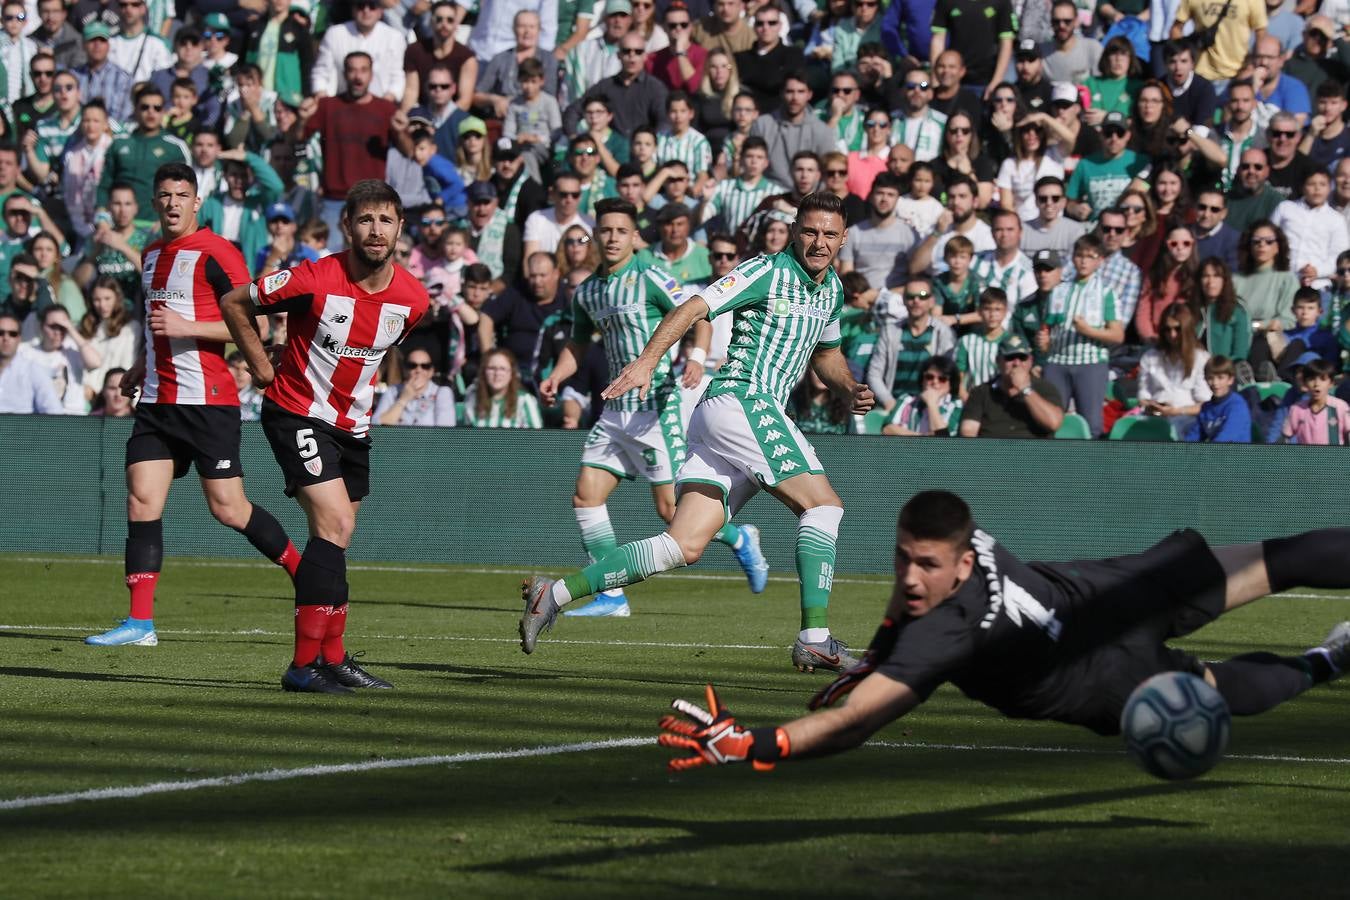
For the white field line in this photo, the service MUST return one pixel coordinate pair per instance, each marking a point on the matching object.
(876, 580)
(132, 792)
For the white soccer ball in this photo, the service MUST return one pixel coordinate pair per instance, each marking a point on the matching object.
(1175, 725)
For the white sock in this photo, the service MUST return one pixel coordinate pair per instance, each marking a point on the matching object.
(593, 523)
(813, 635)
(561, 595)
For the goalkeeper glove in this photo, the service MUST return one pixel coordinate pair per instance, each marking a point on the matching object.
(715, 737)
(880, 647)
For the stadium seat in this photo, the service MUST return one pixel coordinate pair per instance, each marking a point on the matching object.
(1143, 428)
(1074, 428)
(1276, 389)
(872, 422)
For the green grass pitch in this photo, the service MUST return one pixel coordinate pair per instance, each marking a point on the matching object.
(952, 801)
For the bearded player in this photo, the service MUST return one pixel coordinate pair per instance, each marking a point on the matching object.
(345, 312)
(189, 408)
(624, 302)
(1061, 641)
(786, 307)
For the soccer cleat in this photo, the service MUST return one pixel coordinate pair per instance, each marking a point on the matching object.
(540, 610)
(1337, 645)
(752, 560)
(606, 606)
(131, 633)
(312, 679)
(348, 674)
(830, 654)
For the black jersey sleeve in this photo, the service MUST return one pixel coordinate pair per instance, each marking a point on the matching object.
(931, 649)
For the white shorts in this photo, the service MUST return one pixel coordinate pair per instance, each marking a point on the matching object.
(739, 444)
(628, 444)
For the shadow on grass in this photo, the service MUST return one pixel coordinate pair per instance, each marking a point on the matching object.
(58, 674)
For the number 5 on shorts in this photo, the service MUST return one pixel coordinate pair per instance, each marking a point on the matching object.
(304, 440)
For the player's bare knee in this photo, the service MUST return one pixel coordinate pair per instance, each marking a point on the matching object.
(231, 513)
(692, 550)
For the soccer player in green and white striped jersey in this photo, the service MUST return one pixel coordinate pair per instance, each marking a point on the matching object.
(1081, 326)
(977, 352)
(681, 142)
(635, 435)
(737, 198)
(786, 317)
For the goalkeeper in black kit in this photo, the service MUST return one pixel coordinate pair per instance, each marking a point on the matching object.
(1062, 641)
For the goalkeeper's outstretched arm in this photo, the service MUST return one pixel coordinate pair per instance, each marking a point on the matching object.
(874, 703)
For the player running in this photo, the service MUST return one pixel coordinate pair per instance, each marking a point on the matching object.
(189, 408)
(625, 301)
(1061, 641)
(740, 439)
(345, 312)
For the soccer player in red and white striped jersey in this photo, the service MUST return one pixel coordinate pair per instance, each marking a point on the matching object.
(189, 408)
(344, 313)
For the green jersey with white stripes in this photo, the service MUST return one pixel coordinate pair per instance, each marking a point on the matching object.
(736, 200)
(781, 317)
(977, 358)
(690, 148)
(1091, 299)
(625, 306)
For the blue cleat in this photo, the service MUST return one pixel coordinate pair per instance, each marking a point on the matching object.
(752, 560)
(607, 606)
(131, 633)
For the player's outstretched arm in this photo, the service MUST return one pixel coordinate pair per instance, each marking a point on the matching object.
(830, 365)
(566, 366)
(638, 373)
(236, 309)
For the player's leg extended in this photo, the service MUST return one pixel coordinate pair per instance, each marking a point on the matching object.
(148, 484)
(225, 498)
(819, 512)
(699, 513)
(1256, 682)
(594, 485)
(1318, 558)
(744, 543)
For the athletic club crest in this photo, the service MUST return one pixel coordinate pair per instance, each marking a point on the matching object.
(393, 325)
(182, 267)
(314, 466)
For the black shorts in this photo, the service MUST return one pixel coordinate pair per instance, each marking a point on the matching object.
(206, 435)
(310, 451)
(1139, 602)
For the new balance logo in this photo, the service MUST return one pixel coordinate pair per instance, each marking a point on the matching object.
(222, 464)
(339, 318)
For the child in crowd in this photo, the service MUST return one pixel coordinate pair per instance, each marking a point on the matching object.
(315, 236)
(1225, 418)
(533, 117)
(1307, 335)
(958, 291)
(442, 173)
(1318, 418)
(919, 209)
(857, 327)
(455, 247)
(977, 352)
(180, 120)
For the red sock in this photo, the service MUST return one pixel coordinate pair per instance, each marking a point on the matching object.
(333, 650)
(289, 559)
(311, 624)
(142, 587)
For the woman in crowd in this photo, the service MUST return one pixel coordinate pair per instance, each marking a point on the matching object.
(1171, 195)
(1150, 120)
(834, 178)
(716, 96)
(644, 22)
(775, 235)
(47, 251)
(1172, 279)
(1143, 237)
(109, 401)
(1002, 113)
(471, 152)
(818, 410)
(82, 167)
(497, 399)
(419, 400)
(1116, 83)
(1228, 328)
(109, 327)
(934, 411)
(1172, 374)
(819, 46)
(1031, 161)
(864, 165)
(1265, 288)
(961, 154)
(577, 250)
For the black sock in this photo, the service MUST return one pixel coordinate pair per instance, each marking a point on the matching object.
(144, 547)
(1255, 682)
(1319, 559)
(321, 577)
(265, 533)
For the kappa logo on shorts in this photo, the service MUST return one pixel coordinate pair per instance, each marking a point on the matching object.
(773, 434)
(787, 466)
(314, 466)
(276, 281)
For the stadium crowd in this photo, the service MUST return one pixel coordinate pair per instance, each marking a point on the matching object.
(1127, 210)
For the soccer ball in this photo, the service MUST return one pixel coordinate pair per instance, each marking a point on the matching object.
(1175, 725)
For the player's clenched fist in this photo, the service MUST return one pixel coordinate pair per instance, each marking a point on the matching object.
(715, 737)
(863, 399)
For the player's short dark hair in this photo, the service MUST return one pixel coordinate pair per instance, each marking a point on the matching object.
(25, 259)
(805, 154)
(754, 142)
(820, 201)
(615, 206)
(937, 516)
(992, 295)
(128, 186)
(371, 192)
(172, 172)
(146, 89)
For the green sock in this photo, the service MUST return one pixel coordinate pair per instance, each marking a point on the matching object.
(729, 535)
(626, 565)
(816, 532)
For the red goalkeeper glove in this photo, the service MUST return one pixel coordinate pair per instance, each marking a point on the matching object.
(715, 737)
(881, 646)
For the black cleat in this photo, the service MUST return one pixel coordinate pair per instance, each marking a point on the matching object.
(312, 679)
(348, 674)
